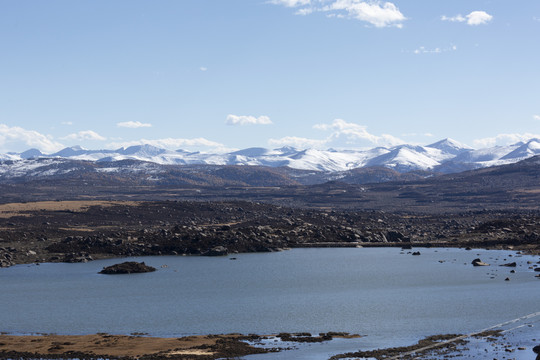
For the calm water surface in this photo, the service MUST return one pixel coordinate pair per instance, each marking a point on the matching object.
(378, 292)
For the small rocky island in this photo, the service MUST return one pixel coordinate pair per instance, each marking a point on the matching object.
(128, 267)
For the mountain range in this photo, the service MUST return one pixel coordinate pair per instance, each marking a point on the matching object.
(445, 156)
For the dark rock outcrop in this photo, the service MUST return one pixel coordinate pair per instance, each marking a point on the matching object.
(128, 267)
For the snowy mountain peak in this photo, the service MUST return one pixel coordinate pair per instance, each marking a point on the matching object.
(31, 153)
(450, 146)
(251, 152)
(528, 149)
(142, 150)
(70, 151)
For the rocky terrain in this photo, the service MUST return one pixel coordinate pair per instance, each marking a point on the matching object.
(80, 231)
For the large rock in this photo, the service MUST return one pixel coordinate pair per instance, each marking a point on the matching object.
(478, 262)
(128, 267)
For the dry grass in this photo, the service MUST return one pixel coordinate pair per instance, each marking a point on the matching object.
(111, 345)
(21, 209)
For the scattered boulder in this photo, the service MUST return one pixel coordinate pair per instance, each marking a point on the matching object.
(77, 258)
(128, 267)
(416, 253)
(396, 236)
(512, 264)
(478, 262)
(216, 251)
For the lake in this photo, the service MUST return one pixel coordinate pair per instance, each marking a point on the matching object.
(384, 293)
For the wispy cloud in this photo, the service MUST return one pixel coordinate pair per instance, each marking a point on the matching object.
(291, 3)
(67, 123)
(247, 120)
(504, 139)
(342, 134)
(84, 135)
(473, 19)
(17, 136)
(203, 68)
(133, 124)
(536, 117)
(437, 50)
(417, 134)
(345, 133)
(297, 142)
(174, 144)
(375, 12)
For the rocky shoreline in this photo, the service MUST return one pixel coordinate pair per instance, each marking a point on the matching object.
(81, 231)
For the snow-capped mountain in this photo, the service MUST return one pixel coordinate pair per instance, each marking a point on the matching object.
(531, 148)
(445, 156)
(449, 146)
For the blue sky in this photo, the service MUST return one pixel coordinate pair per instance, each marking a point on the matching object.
(216, 75)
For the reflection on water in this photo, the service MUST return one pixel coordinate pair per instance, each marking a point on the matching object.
(377, 292)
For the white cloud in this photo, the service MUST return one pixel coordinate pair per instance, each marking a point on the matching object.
(17, 136)
(247, 120)
(478, 18)
(84, 135)
(536, 117)
(374, 12)
(504, 139)
(133, 124)
(298, 142)
(474, 18)
(173, 144)
(203, 68)
(67, 123)
(342, 134)
(347, 134)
